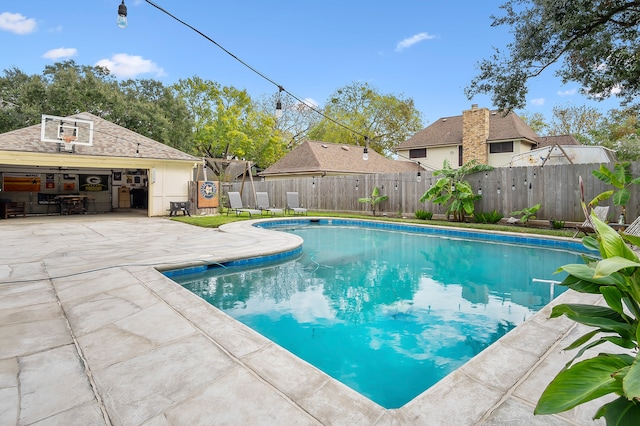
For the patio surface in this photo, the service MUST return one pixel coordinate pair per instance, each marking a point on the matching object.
(92, 334)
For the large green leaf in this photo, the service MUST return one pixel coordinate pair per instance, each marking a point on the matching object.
(631, 382)
(583, 382)
(620, 412)
(613, 297)
(611, 243)
(586, 273)
(611, 265)
(621, 198)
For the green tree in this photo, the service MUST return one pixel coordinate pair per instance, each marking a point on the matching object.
(296, 120)
(592, 43)
(386, 120)
(535, 121)
(65, 88)
(229, 123)
(620, 131)
(579, 121)
(453, 191)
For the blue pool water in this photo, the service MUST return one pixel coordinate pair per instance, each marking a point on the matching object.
(386, 312)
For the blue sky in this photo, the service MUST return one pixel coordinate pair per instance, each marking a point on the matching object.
(427, 51)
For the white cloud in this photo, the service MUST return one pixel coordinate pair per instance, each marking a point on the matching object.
(408, 42)
(537, 101)
(123, 65)
(16, 23)
(569, 92)
(61, 52)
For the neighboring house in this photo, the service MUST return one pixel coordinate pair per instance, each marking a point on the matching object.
(486, 136)
(312, 158)
(120, 169)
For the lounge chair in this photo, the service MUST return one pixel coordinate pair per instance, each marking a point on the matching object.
(633, 228)
(235, 200)
(587, 226)
(293, 204)
(265, 206)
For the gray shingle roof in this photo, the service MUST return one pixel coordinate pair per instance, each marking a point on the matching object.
(559, 139)
(448, 131)
(109, 140)
(318, 157)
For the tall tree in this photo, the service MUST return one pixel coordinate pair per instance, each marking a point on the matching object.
(228, 123)
(296, 120)
(359, 110)
(66, 88)
(597, 44)
(620, 131)
(579, 121)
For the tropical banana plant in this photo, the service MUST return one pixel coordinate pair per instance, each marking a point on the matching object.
(615, 276)
(621, 178)
(453, 191)
(374, 199)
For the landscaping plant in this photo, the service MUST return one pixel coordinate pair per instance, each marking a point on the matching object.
(620, 177)
(423, 215)
(374, 199)
(616, 276)
(527, 213)
(490, 217)
(453, 191)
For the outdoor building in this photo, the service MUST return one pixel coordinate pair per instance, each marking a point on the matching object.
(313, 158)
(103, 164)
(486, 136)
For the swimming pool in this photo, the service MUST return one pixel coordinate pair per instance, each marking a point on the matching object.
(387, 311)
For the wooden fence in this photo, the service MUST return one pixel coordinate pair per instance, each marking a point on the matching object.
(505, 189)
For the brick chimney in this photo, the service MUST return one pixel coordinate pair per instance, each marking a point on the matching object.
(475, 132)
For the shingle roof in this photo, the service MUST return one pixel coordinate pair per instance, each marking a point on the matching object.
(448, 131)
(319, 157)
(109, 140)
(544, 141)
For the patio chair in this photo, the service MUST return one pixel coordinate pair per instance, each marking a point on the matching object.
(633, 228)
(587, 226)
(235, 200)
(293, 204)
(265, 206)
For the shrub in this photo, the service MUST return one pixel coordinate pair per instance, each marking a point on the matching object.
(490, 217)
(423, 215)
(557, 224)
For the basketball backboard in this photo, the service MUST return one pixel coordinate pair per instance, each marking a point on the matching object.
(66, 131)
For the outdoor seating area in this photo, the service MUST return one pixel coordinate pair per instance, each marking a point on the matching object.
(235, 202)
(293, 204)
(262, 198)
(586, 227)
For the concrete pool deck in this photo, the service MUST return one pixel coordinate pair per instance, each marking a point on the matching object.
(92, 334)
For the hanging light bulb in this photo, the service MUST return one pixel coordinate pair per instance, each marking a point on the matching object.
(498, 189)
(122, 16)
(479, 188)
(396, 188)
(313, 183)
(357, 181)
(419, 177)
(278, 102)
(513, 185)
(365, 154)
(453, 188)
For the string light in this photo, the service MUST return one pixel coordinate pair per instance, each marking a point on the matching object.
(513, 184)
(122, 16)
(280, 87)
(279, 103)
(480, 188)
(498, 188)
(396, 187)
(357, 181)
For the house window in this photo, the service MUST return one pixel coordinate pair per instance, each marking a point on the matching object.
(500, 147)
(418, 153)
